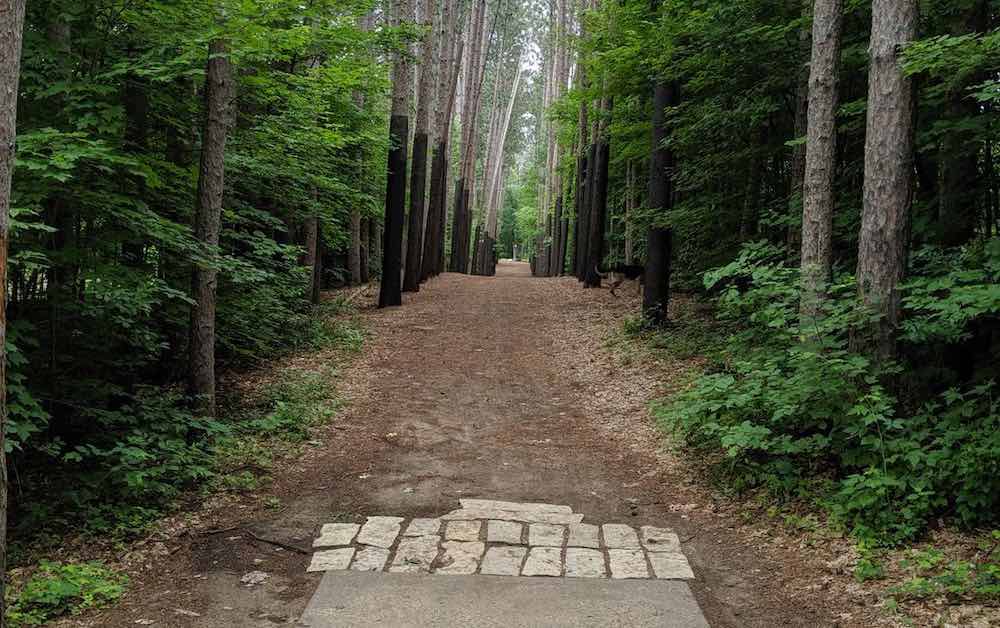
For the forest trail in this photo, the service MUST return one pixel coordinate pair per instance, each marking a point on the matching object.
(495, 388)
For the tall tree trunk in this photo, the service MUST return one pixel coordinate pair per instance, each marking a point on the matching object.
(208, 223)
(888, 189)
(599, 200)
(821, 156)
(11, 29)
(312, 257)
(356, 266)
(449, 67)
(421, 138)
(798, 165)
(390, 292)
(659, 240)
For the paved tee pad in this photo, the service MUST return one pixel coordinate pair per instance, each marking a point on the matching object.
(499, 538)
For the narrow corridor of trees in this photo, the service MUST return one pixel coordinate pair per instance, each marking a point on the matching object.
(190, 175)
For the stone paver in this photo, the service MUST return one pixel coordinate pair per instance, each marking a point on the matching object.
(463, 530)
(584, 563)
(326, 560)
(503, 561)
(380, 531)
(489, 504)
(627, 563)
(460, 557)
(619, 536)
(543, 561)
(545, 534)
(558, 544)
(504, 532)
(415, 554)
(370, 559)
(583, 535)
(524, 516)
(336, 534)
(660, 539)
(423, 527)
(670, 566)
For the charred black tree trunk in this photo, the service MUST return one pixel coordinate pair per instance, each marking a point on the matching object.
(390, 293)
(456, 227)
(582, 216)
(415, 232)
(659, 241)
(598, 216)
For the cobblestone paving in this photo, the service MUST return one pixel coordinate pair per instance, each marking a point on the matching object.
(502, 539)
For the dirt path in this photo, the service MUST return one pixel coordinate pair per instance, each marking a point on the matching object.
(499, 388)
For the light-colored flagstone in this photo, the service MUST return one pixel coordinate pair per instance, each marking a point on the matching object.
(380, 531)
(415, 554)
(660, 540)
(423, 527)
(463, 530)
(460, 557)
(508, 532)
(326, 560)
(619, 536)
(336, 534)
(524, 516)
(489, 504)
(670, 566)
(503, 561)
(584, 535)
(370, 559)
(543, 561)
(545, 534)
(585, 563)
(627, 563)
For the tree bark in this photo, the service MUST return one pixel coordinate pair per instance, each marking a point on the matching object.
(449, 68)
(390, 291)
(798, 165)
(11, 31)
(821, 156)
(208, 222)
(659, 240)
(598, 202)
(421, 137)
(888, 188)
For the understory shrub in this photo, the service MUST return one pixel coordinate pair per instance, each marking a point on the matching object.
(789, 403)
(57, 589)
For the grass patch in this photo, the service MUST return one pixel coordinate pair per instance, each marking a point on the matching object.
(57, 589)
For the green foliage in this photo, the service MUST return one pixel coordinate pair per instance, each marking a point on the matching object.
(931, 575)
(57, 589)
(102, 250)
(787, 403)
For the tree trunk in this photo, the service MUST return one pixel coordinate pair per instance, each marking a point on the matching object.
(821, 156)
(312, 256)
(208, 222)
(888, 189)
(659, 240)
(11, 30)
(390, 291)
(418, 174)
(449, 67)
(798, 165)
(598, 206)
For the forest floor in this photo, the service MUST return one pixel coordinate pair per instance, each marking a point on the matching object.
(511, 388)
